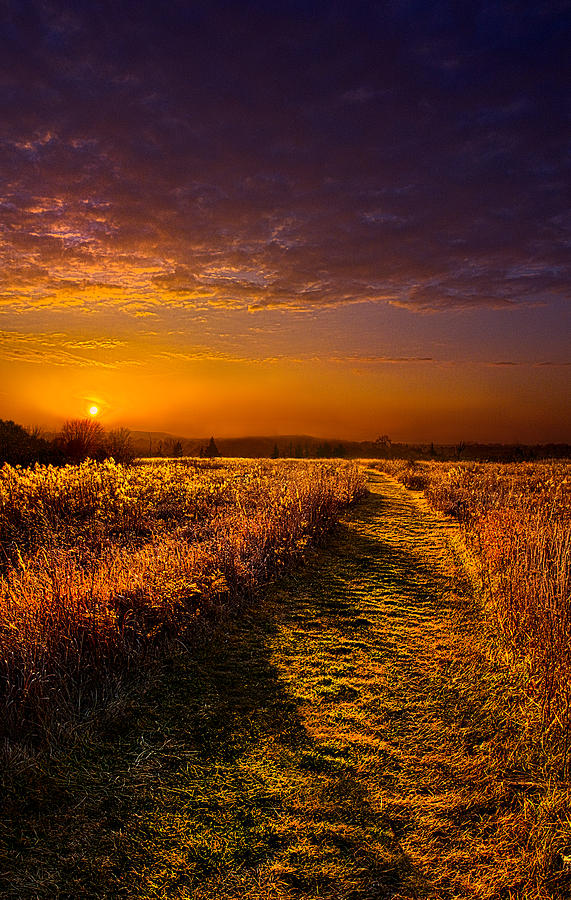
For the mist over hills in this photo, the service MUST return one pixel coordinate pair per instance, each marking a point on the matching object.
(156, 442)
(160, 443)
(21, 445)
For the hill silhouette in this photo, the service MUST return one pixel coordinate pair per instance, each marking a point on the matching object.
(157, 443)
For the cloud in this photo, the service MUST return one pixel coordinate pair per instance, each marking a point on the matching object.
(58, 349)
(553, 364)
(94, 344)
(209, 354)
(278, 159)
(381, 360)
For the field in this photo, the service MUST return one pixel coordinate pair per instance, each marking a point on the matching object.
(102, 564)
(227, 678)
(517, 521)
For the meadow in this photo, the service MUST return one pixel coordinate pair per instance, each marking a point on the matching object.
(187, 710)
(516, 519)
(102, 565)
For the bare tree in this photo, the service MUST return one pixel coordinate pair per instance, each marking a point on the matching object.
(172, 447)
(119, 445)
(81, 438)
(383, 444)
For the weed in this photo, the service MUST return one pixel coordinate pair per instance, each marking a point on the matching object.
(104, 564)
(517, 521)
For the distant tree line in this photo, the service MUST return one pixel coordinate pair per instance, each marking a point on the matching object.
(173, 447)
(169, 447)
(79, 439)
(325, 450)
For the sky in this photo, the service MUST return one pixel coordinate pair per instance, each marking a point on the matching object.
(342, 219)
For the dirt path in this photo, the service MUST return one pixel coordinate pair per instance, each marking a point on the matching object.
(320, 748)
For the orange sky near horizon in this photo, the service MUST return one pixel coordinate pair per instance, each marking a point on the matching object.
(158, 381)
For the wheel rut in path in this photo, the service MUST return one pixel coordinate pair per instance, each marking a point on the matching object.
(316, 748)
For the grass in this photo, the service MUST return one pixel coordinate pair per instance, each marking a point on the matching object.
(104, 566)
(516, 519)
(345, 738)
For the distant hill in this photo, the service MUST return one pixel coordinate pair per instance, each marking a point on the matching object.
(149, 443)
(157, 443)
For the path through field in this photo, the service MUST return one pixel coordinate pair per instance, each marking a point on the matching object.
(320, 748)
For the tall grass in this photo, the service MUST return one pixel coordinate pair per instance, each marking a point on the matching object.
(517, 520)
(102, 565)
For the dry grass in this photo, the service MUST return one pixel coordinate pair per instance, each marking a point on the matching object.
(341, 739)
(516, 518)
(102, 565)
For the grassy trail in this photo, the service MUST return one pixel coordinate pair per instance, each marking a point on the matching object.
(317, 748)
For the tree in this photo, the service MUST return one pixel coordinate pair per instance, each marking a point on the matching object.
(212, 450)
(119, 445)
(80, 439)
(21, 447)
(275, 452)
(383, 444)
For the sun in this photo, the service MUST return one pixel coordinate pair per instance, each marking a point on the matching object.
(93, 410)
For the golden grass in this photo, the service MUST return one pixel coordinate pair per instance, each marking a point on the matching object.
(343, 738)
(102, 564)
(517, 521)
